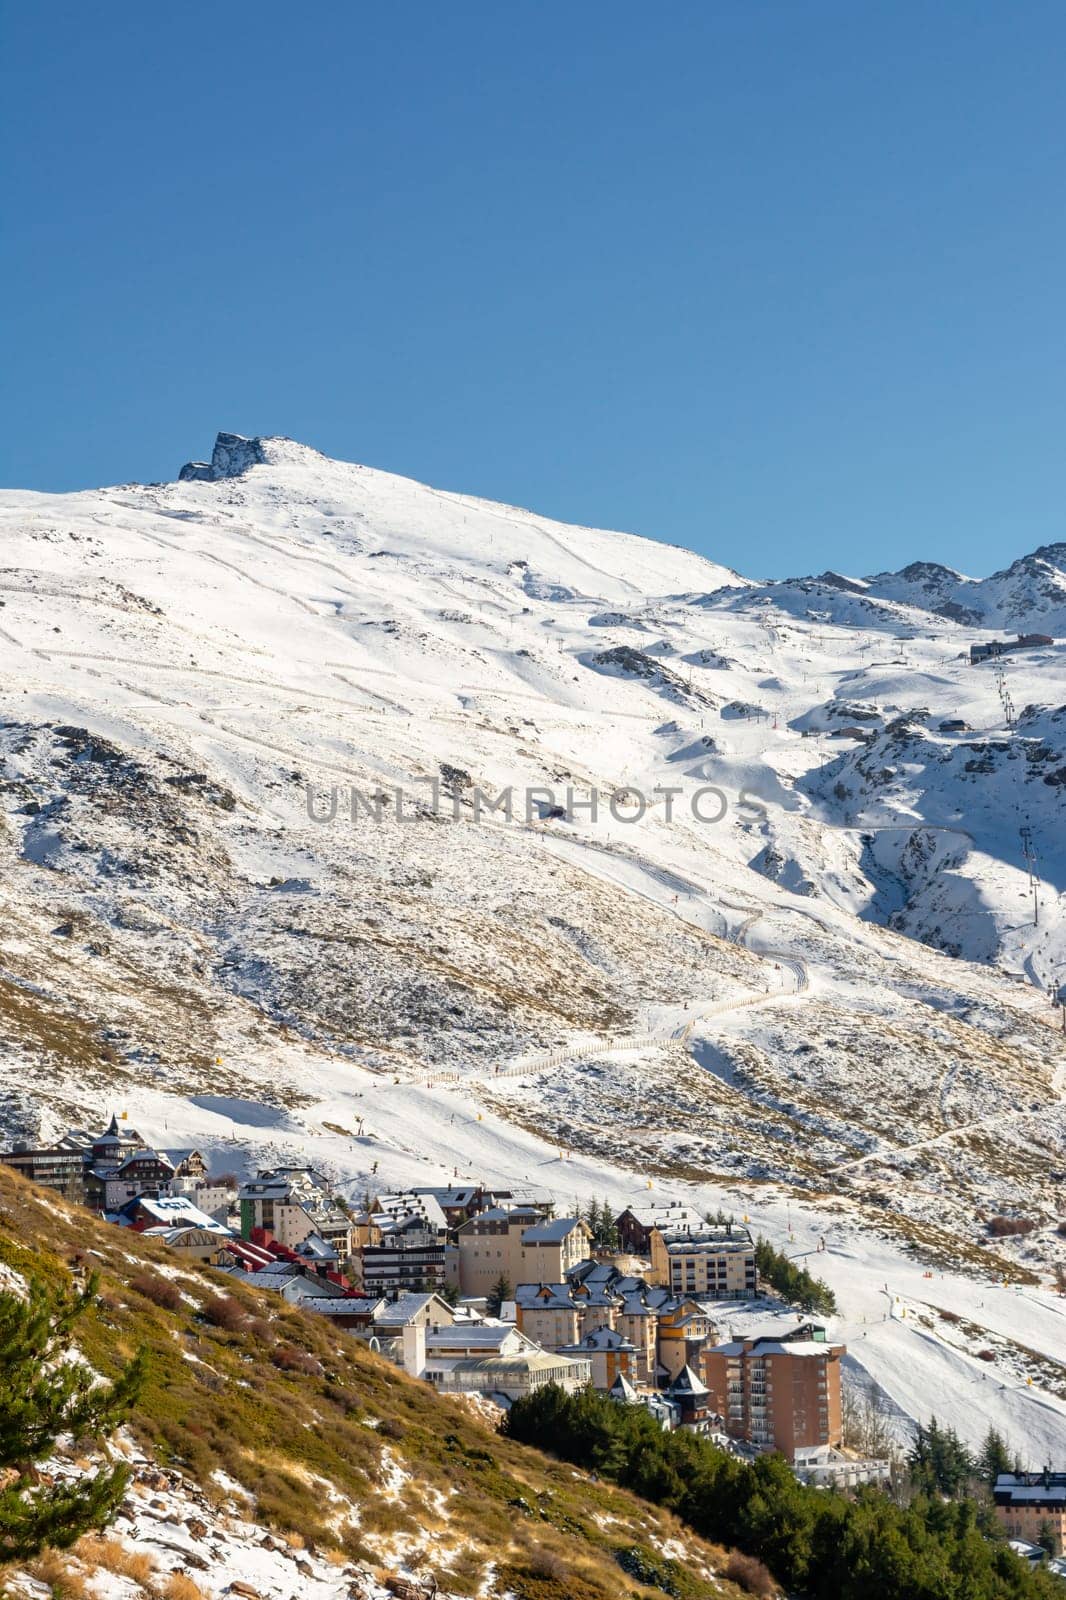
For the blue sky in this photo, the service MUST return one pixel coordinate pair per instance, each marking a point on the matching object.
(779, 281)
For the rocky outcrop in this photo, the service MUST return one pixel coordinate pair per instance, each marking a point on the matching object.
(232, 455)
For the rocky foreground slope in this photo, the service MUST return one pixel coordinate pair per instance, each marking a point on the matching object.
(275, 1456)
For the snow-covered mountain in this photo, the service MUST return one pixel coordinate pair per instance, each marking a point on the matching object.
(1029, 596)
(758, 922)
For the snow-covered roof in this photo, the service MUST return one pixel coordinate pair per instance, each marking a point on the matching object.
(493, 1214)
(137, 1156)
(552, 1231)
(776, 1347)
(687, 1383)
(602, 1339)
(172, 1210)
(409, 1204)
(1030, 1489)
(516, 1365)
(481, 1336)
(315, 1246)
(546, 1296)
(342, 1305)
(451, 1198)
(674, 1213)
(398, 1313)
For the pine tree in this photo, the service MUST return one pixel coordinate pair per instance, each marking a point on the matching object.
(939, 1461)
(43, 1395)
(993, 1458)
(501, 1291)
(609, 1239)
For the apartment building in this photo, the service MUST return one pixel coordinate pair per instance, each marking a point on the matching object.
(521, 1245)
(709, 1263)
(779, 1391)
(60, 1167)
(404, 1265)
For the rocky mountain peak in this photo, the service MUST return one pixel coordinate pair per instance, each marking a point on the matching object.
(232, 455)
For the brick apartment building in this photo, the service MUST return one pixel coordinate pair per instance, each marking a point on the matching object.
(779, 1391)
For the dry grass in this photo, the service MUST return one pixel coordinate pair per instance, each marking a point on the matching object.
(65, 1579)
(99, 1551)
(179, 1586)
(750, 1574)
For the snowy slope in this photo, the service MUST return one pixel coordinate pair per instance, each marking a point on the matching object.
(822, 999)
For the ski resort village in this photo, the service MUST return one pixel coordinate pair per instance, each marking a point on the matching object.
(533, 1064)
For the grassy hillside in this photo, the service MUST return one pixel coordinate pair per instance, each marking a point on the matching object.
(335, 1446)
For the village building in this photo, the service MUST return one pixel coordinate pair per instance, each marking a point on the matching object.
(638, 1319)
(666, 1412)
(299, 1286)
(1032, 1506)
(406, 1247)
(520, 1246)
(548, 1314)
(289, 1203)
(146, 1213)
(410, 1203)
(60, 1168)
(694, 1401)
(198, 1244)
(140, 1172)
(460, 1202)
(825, 1467)
(709, 1263)
(667, 1332)
(779, 1391)
(244, 1254)
(610, 1356)
(1000, 647)
(683, 1331)
(635, 1223)
(217, 1199)
(412, 1311)
(104, 1170)
(489, 1359)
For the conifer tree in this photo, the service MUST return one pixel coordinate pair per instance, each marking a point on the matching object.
(45, 1394)
(501, 1290)
(993, 1458)
(939, 1461)
(608, 1228)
